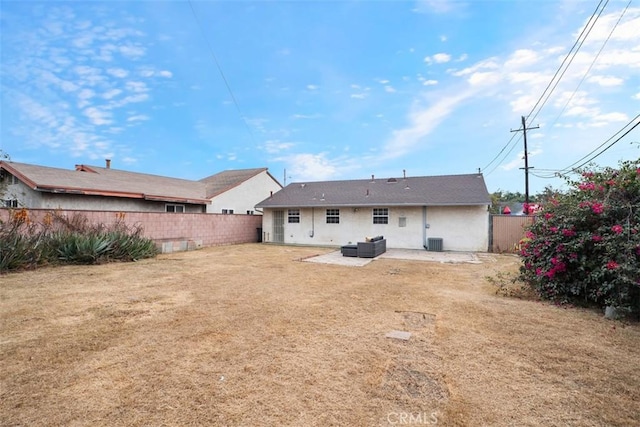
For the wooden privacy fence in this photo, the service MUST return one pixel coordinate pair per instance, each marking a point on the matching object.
(507, 231)
(171, 231)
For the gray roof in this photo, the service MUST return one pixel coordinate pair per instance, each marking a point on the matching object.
(226, 180)
(447, 190)
(101, 181)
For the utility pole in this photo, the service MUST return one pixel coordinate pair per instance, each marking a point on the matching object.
(526, 163)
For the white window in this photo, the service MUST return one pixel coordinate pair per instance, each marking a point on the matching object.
(333, 216)
(294, 216)
(227, 211)
(11, 203)
(174, 208)
(381, 215)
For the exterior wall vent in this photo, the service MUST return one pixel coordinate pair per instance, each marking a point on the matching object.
(434, 244)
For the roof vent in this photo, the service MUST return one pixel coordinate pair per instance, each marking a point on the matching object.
(392, 180)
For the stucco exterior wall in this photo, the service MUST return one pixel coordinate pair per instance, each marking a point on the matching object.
(463, 228)
(40, 200)
(23, 194)
(245, 196)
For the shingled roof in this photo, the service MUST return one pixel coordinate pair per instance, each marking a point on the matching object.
(446, 190)
(226, 180)
(100, 181)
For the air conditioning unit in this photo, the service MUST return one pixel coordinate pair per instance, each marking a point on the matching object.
(434, 244)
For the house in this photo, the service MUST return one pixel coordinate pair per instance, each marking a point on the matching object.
(236, 191)
(445, 212)
(103, 188)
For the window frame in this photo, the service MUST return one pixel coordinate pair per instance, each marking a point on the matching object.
(380, 216)
(293, 216)
(176, 208)
(333, 216)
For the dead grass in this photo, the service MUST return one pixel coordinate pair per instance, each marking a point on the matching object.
(251, 335)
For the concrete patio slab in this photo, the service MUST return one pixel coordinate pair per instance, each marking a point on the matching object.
(406, 254)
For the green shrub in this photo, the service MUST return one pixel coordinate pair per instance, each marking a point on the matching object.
(584, 247)
(61, 239)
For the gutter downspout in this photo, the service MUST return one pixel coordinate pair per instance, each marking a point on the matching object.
(424, 228)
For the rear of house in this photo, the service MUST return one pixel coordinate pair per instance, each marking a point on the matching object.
(438, 212)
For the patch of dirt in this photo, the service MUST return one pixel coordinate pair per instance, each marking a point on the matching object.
(248, 335)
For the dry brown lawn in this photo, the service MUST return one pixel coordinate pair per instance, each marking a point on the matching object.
(251, 335)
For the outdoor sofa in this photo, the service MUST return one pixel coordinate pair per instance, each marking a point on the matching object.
(371, 248)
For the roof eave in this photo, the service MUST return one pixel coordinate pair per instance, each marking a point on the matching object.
(353, 205)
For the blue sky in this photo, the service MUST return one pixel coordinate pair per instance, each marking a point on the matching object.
(320, 89)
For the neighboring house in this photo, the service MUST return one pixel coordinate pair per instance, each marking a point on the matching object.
(409, 212)
(237, 191)
(103, 188)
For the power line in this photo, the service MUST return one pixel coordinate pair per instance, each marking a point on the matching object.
(610, 145)
(513, 145)
(591, 65)
(579, 41)
(572, 53)
(498, 155)
(586, 158)
(224, 78)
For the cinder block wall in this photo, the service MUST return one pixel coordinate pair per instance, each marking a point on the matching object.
(204, 229)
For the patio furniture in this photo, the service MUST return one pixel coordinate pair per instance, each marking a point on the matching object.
(349, 250)
(368, 249)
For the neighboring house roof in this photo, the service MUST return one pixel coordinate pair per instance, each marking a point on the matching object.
(447, 190)
(226, 180)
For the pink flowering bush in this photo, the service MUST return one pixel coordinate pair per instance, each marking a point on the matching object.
(584, 247)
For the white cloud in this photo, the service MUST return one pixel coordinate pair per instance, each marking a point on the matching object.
(132, 51)
(606, 80)
(636, 96)
(436, 6)
(306, 116)
(118, 72)
(486, 64)
(522, 58)
(138, 118)
(136, 86)
(429, 82)
(97, 116)
(422, 123)
(389, 89)
(358, 95)
(111, 93)
(312, 87)
(277, 146)
(165, 73)
(484, 78)
(443, 38)
(610, 118)
(438, 58)
(310, 167)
